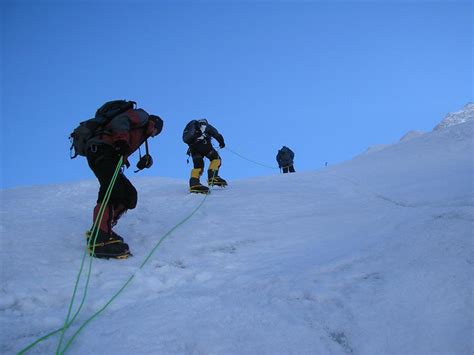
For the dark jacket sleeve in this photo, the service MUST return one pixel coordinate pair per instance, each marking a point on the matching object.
(210, 130)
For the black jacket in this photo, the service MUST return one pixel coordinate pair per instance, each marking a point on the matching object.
(285, 157)
(196, 131)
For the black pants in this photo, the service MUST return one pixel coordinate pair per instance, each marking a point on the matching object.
(200, 150)
(103, 161)
(288, 168)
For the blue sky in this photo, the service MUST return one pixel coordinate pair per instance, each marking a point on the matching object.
(327, 79)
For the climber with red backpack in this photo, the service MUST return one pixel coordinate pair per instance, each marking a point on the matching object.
(117, 130)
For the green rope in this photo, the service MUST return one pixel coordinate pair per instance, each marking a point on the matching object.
(87, 321)
(68, 344)
(250, 160)
(97, 222)
(93, 239)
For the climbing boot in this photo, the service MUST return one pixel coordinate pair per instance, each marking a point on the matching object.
(116, 236)
(215, 180)
(107, 245)
(196, 187)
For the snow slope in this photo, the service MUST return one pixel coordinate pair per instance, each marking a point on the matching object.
(410, 135)
(373, 256)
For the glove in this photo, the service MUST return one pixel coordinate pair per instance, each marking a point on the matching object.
(221, 144)
(145, 162)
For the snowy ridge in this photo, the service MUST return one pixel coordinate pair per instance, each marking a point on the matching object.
(462, 116)
(411, 135)
(451, 119)
(373, 256)
(375, 148)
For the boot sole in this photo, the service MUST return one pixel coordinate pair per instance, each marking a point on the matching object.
(111, 256)
(218, 185)
(200, 192)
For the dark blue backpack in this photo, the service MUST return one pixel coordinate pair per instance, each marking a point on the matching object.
(191, 132)
(285, 156)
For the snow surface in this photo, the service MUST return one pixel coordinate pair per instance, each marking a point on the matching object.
(373, 256)
(375, 148)
(405, 137)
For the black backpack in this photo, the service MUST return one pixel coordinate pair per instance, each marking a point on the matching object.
(191, 132)
(94, 126)
(285, 156)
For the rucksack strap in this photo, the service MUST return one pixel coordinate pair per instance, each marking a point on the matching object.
(146, 146)
(146, 149)
(140, 154)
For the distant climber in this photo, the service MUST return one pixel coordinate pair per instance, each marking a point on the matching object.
(285, 158)
(197, 135)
